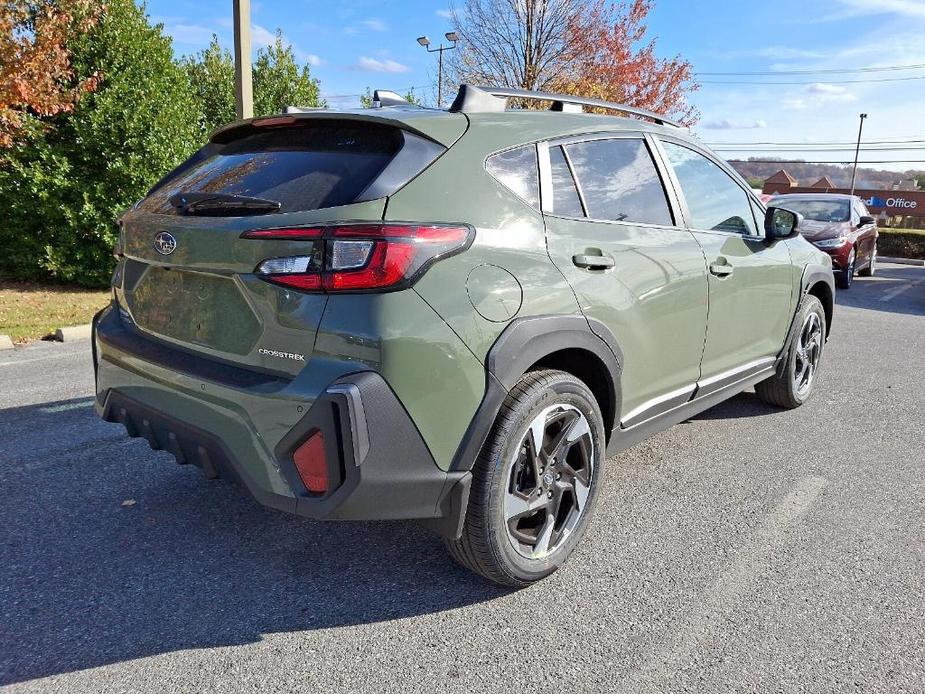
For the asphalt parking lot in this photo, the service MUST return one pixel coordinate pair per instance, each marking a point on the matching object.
(747, 550)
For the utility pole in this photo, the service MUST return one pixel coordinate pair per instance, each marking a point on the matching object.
(854, 173)
(425, 42)
(243, 75)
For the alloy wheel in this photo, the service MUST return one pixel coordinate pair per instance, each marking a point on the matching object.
(549, 481)
(808, 351)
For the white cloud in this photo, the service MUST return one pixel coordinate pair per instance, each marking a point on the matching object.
(446, 14)
(820, 94)
(726, 124)
(863, 8)
(373, 65)
(189, 33)
(374, 24)
(262, 37)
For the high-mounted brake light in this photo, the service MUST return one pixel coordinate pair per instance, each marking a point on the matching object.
(273, 121)
(360, 257)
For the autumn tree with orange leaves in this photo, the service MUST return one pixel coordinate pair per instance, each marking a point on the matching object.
(35, 66)
(591, 48)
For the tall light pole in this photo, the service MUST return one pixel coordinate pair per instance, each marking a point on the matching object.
(854, 173)
(243, 76)
(452, 37)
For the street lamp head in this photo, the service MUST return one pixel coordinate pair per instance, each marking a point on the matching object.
(424, 41)
(452, 36)
(863, 115)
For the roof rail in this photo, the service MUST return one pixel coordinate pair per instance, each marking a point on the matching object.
(473, 99)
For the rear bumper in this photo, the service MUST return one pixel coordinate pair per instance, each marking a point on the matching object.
(378, 465)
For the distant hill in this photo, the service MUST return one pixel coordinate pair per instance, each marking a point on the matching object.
(807, 174)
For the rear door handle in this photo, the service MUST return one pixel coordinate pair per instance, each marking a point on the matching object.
(721, 268)
(593, 262)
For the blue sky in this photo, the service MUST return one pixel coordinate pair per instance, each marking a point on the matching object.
(353, 44)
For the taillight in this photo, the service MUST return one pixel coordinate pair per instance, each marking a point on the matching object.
(311, 464)
(360, 257)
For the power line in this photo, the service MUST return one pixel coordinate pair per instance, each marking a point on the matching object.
(866, 81)
(820, 142)
(819, 149)
(350, 96)
(829, 71)
(804, 161)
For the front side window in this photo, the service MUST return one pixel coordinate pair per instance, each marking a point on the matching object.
(516, 169)
(715, 202)
(619, 181)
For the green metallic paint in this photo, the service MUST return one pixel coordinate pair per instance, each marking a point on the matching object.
(654, 299)
(432, 372)
(751, 309)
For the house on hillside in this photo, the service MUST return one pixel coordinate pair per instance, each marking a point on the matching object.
(824, 183)
(781, 182)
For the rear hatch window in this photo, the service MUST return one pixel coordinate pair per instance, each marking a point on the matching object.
(301, 167)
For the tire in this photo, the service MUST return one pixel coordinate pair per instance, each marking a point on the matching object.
(792, 385)
(871, 268)
(529, 506)
(843, 279)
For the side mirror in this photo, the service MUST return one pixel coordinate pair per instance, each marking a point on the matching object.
(780, 223)
(865, 220)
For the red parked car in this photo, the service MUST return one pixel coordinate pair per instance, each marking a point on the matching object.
(841, 226)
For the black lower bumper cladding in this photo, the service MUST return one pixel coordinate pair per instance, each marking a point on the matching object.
(378, 465)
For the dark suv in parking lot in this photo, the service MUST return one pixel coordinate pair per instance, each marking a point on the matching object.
(453, 316)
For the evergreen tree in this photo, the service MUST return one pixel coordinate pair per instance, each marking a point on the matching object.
(64, 185)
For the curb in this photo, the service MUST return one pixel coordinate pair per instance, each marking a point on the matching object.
(73, 333)
(901, 261)
(5, 342)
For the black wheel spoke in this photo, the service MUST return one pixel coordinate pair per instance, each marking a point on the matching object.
(550, 481)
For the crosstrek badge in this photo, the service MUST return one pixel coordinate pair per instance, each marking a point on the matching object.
(281, 355)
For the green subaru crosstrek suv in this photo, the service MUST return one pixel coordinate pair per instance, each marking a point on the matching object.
(453, 316)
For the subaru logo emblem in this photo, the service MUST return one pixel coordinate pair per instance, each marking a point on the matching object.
(165, 243)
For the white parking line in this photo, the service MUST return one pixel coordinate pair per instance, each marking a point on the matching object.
(721, 595)
(49, 356)
(893, 293)
(64, 408)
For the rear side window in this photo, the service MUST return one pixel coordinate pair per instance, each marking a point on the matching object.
(619, 181)
(516, 169)
(306, 167)
(565, 200)
(715, 202)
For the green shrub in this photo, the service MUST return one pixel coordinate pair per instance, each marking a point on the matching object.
(901, 243)
(64, 185)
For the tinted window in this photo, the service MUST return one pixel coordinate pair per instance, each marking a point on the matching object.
(714, 200)
(306, 167)
(619, 181)
(565, 200)
(816, 210)
(517, 170)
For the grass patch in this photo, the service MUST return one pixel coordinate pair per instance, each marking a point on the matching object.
(32, 311)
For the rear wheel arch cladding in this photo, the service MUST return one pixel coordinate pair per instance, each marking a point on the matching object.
(529, 342)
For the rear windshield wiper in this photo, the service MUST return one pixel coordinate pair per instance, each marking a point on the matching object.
(222, 204)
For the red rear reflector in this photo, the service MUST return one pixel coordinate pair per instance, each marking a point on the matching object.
(311, 464)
